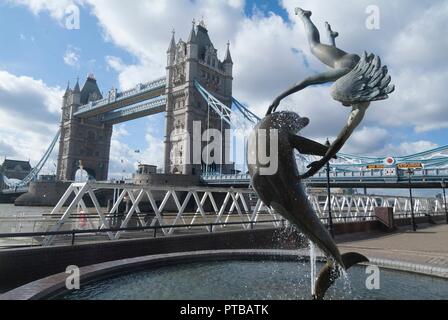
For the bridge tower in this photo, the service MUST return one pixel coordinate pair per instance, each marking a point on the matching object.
(196, 59)
(83, 142)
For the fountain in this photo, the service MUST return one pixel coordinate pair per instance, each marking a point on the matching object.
(274, 274)
(268, 278)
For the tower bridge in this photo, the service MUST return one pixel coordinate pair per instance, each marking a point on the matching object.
(88, 117)
(198, 87)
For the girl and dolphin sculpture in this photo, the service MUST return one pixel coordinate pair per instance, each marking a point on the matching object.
(358, 81)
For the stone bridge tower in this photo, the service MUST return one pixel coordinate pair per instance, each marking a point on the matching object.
(83, 142)
(196, 59)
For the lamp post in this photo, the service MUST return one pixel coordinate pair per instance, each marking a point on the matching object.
(444, 200)
(414, 226)
(330, 214)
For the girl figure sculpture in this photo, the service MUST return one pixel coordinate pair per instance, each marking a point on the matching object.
(358, 82)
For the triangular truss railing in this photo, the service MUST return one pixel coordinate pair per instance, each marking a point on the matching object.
(213, 209)
(207, 210)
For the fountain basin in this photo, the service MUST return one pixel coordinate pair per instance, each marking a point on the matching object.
(218, 275)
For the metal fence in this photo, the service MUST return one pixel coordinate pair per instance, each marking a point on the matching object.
(170, 210)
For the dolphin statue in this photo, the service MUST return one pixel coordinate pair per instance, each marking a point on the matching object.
(283, 190)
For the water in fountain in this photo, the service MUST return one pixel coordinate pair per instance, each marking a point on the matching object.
(347, 282)
(313, 267)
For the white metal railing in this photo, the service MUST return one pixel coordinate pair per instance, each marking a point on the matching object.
(218, 205)
(417, 174)
(430, 175)
(211, 205)
(349, 208)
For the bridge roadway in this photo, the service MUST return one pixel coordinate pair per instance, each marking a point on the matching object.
(424, 179)
(117, 100)
(147, 108)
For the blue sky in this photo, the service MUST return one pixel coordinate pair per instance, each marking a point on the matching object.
(125, 44)
(37, 46)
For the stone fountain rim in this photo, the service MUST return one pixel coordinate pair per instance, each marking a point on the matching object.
(54, 285)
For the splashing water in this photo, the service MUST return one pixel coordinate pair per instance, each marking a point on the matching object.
(313, 267)
(347, 282)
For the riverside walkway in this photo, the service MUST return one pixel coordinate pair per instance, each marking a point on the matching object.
(427, 247)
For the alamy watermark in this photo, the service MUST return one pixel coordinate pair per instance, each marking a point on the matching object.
(373, 21)
(213, 147)
(72, 17)
(373, 281)
(73, 281)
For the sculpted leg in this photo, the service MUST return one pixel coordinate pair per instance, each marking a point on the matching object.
(332, 35)
(328, 55)
(355, 118)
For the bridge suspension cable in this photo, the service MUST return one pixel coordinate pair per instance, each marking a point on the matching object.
(227, 115)
(225, 112)
(36, 170)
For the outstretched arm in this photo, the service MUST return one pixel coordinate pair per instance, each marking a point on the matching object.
(355, 118)
(329, 76)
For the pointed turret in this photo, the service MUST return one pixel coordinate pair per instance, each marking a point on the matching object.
(192, 37)
(228, 68)
(77, 89)
(90, 91)
(72, 97)
(172, 47)
(192, 44)
(228, 58)
(67, 91)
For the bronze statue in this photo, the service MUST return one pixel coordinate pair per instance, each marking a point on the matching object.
(283, 191)
(358, 81)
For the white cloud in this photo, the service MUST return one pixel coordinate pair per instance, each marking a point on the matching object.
(72, 56)
(56, 8)
(130, 75)
(409, 148)
(124, 160)
(367, 141)
(271, 54)
(375, 141)
(262, 45)
(29, 116)
(413, 46)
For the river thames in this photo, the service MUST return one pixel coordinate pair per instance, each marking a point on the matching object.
(20, 219)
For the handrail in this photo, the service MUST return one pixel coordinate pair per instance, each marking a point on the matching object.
(89, 231)
(73, 233)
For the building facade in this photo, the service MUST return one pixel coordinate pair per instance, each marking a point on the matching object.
(194, 60)
(13, 169)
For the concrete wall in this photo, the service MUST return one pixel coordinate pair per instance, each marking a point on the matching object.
(45, 194)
